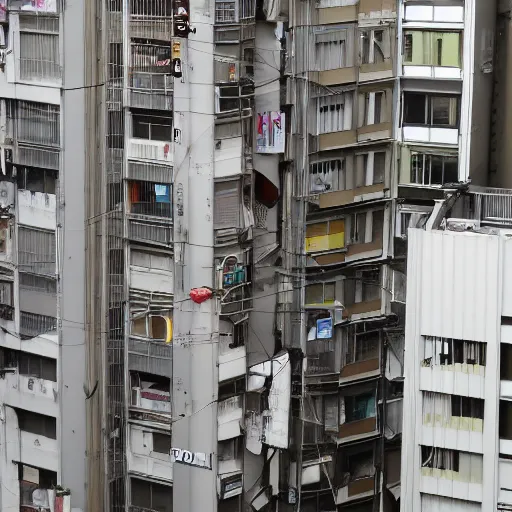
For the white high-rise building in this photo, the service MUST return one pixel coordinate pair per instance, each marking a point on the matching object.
(457, 431)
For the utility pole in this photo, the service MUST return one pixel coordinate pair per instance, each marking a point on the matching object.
(196, 326)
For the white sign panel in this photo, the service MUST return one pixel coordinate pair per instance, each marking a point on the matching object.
(198, 459)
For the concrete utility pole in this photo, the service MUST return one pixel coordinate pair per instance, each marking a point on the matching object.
(196, 326)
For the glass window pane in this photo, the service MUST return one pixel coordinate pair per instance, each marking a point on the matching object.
(414, 108)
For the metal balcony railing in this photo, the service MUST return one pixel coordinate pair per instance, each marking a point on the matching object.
(493, 205)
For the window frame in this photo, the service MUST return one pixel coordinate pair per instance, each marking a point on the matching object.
(428, 99)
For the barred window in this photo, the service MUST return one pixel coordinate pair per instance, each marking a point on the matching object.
(38, 123)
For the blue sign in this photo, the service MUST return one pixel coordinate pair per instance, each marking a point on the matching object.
(324, 329)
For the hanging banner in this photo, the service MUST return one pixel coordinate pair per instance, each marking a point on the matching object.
(3, 11)
(39, 5)
(270, 134)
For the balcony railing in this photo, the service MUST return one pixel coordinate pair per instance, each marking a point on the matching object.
(493, 205)
(143, 149)
(152, 209)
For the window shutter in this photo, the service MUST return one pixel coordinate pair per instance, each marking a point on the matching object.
(227, 205)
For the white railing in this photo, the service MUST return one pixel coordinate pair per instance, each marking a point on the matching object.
(141, 149)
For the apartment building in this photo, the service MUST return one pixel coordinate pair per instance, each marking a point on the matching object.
(203, 238)
(455, 452)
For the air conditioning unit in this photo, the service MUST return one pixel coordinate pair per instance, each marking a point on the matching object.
(462, 224)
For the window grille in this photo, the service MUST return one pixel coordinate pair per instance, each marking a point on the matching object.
(330, 46)
(331, 113)
(327, 176)
(39, 56)
(38, 123)
(36, 251)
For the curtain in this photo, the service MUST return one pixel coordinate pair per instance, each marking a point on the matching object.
(437, 409)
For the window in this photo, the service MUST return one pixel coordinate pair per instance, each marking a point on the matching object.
(377, 224)
(330, 48)
(151, 326)
(115, 129)
(440, 458)
(36, 180)
(161, 443)
(362, 346)
(36, 251)
(429, 169)
(371, 285)
(152, 127)
(425, 48)
(226, 12)
(370, 168)
(334, 113)
(448, 351)
(115, 61)
(151, 496)
(6, 295)
(359, 407)
(38, 123)
(38, 424)
(152, 199)
(327, 176)
(227, 99)
(320, 293)
(358, 228)
(39, 48)
(375, 46)
(466, 407)
(374, 108)
(225, 70)
(36, 366)
(433, 110)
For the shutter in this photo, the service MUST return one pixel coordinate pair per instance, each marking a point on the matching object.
(227, 205)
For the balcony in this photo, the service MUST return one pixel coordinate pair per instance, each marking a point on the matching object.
(36, 394)
(230, 418)
(360, 419)
(39, 451)
(356, 488)
(149, 453)
(150, 357)
(151, 19)
(150, 150)
(151, 91)
(232, 359)
(37, 209)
